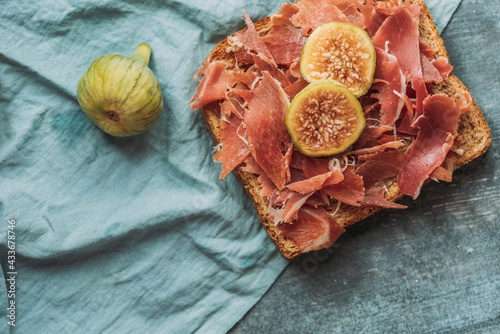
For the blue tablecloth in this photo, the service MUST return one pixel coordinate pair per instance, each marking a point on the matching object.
(123, 235)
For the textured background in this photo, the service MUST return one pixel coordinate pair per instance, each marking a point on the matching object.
(433, 268)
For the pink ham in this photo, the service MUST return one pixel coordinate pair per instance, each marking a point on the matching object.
(350, 10)
(375, 196)
(214, 84)
(316, 182)
(427, 51)
(234, 150)
(250, 41)
(313, 13)
(267, 186)
(378, 148)
(443, 66)
(263, 66)
(350, 191)
(429, 71)
(284, 40)
(295, 88)
(370, 134)
(314, 229)
(400, 32)
(441, 173)
(390, 82)
(268, 139)
(437, 131)
(373, 17)
(380, 167)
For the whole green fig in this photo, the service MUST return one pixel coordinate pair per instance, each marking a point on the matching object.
(121, 95)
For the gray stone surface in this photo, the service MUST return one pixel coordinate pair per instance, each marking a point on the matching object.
(433, 268)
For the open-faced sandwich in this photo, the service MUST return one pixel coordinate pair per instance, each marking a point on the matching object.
(330, 110)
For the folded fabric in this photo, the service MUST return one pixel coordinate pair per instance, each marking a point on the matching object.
(121, 235)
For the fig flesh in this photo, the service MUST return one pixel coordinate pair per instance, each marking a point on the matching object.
(324, 119)
(341, 52)
(121, 95)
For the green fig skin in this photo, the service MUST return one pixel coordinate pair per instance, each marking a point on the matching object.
(120, 94)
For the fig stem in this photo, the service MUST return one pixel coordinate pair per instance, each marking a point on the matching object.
(142, 53)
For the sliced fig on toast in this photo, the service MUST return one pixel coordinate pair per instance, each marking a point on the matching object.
(341, 52)
(324, 119)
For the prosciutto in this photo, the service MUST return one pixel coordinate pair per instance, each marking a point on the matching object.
(437, 131)
(263, 66)
(234, 149)
(268, 139)
(289, 203)
(390, 82)
(429, 71)
(214, 84)
(251, 41)
(373, 17)
(350, 10)
(443, 66)
(267, 186)
(350, 191)
(316, 182)
(400, 35)
(324, 12)
(284, 40)
(381, 166)
(375, 196)
(370, 134)
(314, 229)
(378, 148)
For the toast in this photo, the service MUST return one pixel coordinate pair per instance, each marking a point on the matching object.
(472, 127)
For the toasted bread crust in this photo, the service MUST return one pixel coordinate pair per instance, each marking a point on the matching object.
(473, 128)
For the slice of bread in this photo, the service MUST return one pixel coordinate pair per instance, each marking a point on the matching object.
(473, 128)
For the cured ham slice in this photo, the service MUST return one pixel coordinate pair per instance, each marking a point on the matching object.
(437, 131)
(232, 106)
(293, 72)
(380, 167)
(400, 35)
(441, 173)
(405, 125)
(427, 51)
(275, 72)
(429, 71)
(317, 199)
(214, 84)
(350, 191)
(375, 196)
(251, 41)
(315, 229)
(313, 13)
(290, 203)
(350, 10)
(443, 67)
(390, 82)
(370, 134)
(234, 150)
(284, 40)
(378, 148)
(268, 139)
(267, 186)
(373, 18)
(315, 183)
(295, 88)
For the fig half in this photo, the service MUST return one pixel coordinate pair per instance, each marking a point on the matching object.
(341, 52)
(324, 119)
